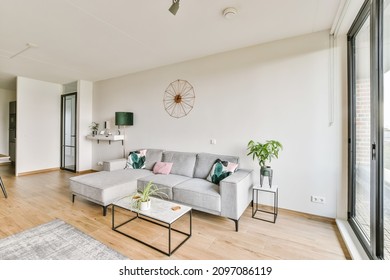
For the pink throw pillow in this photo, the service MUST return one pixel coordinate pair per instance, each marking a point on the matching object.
(231, 167)
(162, 167)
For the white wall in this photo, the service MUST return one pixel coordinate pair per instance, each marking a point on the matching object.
(84, 118)
(6, 96)
(38, 125)
(272, 91)
(341, 92)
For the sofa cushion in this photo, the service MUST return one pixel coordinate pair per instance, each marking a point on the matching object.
(199, 193)
(205, 161)
(136, 159)
(221, 170)
(105, 187)
(182, 163)
(165, 183)
(152, 156)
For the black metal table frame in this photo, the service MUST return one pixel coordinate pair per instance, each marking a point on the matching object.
(256, 202)
(3, 188)
(159, 223)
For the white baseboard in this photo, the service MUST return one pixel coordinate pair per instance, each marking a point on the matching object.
(354, 247)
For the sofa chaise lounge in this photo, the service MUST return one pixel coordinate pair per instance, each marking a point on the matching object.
(186, 183)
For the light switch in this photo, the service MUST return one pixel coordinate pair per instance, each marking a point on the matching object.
(213, 141)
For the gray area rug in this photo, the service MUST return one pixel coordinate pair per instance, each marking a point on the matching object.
(55, 240)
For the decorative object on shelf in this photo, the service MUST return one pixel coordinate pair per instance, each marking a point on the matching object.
(94, 127)
(107, 127)
(174, 7)
(264, 152)
(141, 199)
(123, 119)
(179, 98)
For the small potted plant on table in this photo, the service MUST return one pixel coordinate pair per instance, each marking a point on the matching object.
(141, 199)
(264, 152)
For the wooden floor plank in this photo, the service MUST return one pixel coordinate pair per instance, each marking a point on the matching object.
(39, 198)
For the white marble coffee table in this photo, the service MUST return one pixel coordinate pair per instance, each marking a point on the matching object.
(162, 212)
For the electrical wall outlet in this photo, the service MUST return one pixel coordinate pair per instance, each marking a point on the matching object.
(317, 199)
(213, 141)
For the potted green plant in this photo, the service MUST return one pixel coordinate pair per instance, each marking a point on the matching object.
(264, 152)
(141, 199)
(94, 127)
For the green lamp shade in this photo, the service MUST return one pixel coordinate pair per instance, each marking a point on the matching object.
(123, 118)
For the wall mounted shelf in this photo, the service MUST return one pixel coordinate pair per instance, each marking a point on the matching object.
(108, 138)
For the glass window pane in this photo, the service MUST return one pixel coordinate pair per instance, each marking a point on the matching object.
(386, 143)
(69, 158)
(363, 128)
(69, 132)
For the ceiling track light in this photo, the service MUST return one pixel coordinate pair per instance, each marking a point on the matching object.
(174, 7)
(28, 46)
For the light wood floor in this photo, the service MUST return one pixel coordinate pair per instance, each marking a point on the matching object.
(40, 198)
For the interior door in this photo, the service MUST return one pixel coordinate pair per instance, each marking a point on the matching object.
(68, 132)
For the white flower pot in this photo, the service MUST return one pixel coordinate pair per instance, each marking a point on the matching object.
(145, 205)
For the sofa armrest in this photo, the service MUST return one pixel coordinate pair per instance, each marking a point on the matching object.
(236, 193)
(114, 164)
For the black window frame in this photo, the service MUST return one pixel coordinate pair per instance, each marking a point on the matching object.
(373, 8)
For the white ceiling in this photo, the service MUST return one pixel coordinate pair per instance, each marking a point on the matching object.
(99, 39)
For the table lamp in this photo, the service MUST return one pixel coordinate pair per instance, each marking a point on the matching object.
(123, 119)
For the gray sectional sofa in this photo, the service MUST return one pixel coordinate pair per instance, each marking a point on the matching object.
(186, 183)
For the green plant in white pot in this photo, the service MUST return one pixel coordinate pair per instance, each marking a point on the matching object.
(94, 127)
(141, 199)
(264, 152)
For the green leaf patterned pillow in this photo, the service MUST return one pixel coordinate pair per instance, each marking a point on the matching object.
(136, 160)
(221, 170)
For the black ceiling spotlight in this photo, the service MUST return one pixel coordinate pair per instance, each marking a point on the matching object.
(174, 7)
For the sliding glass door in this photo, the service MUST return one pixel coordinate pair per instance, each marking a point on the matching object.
(362, 129)
(369, 128)
(68, 132)
(386, 125)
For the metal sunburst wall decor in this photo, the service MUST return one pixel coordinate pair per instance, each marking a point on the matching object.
(179, 98)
